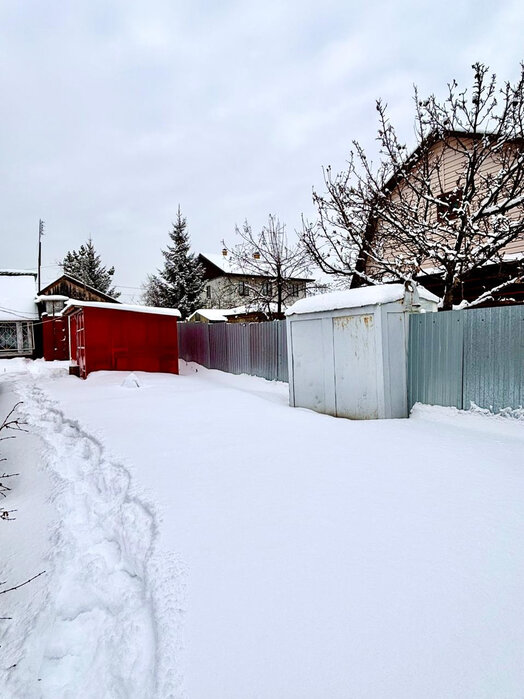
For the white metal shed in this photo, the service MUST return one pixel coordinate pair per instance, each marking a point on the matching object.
(347, 350)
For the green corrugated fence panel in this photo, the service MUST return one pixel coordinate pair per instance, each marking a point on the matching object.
(494, 357)
(435, 358)
(471, 356)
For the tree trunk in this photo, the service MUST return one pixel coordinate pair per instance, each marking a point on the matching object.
(450, 285)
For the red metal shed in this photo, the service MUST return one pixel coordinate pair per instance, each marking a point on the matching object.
(122, 337)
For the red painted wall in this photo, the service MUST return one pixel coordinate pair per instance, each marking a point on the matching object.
(55, 338)
(124, 341)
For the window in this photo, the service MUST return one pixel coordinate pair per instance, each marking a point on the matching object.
(208, 291)
(266, 289)
(16, 338)
(54, 307)
(243, 289)
(295, 289)
(27, 337)
(8, 337)
(447, 209)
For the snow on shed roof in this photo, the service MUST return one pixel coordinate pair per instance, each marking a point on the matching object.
(356, 298)
(72, 303)
(51, 297)
(17, 296)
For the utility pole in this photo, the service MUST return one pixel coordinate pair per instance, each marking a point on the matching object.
(40, 234)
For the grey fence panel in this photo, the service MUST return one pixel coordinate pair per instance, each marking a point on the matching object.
(435, 358)
(259, 349)
(471, 356)
(237, 335)
(263, 349)
(218, 354)
(193, 339)
(494, 358)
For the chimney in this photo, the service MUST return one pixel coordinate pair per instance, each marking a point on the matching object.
(256, 255)
(224, 252)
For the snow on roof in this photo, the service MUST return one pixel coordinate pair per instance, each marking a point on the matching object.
(51, 297)
(356, 298)
(222, 314)
(213, 314)
(18, 272)
(223, 263)
(72, 303)
(17, 296)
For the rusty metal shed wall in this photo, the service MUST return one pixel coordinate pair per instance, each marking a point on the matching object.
(259, 349)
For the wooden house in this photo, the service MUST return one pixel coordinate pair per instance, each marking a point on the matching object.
(443, 161)
(51, 302)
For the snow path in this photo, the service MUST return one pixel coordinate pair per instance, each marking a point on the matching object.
(102, 593)
(322, 557)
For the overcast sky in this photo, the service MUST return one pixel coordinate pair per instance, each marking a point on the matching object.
(116, 111)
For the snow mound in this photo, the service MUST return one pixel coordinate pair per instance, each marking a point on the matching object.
(35, 367)
(131, 381)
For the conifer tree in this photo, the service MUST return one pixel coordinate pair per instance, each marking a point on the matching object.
(85, 265)
(179, 284)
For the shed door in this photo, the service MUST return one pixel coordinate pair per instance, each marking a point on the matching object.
(308, 362)
(355, 367)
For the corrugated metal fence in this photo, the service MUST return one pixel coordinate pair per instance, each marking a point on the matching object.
(259, 349)
(459, 357)
(455, 357)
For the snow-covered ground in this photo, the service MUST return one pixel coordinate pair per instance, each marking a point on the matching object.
(202, 539)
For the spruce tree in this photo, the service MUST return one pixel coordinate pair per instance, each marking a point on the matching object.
(85, 265)
(179, 284)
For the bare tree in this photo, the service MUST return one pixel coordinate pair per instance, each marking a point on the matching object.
(14, 424)
(275, 270)
(452, 207)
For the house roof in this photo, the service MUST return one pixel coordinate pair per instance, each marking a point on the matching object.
(73, 280)
(17, 295)
(228, 266)
(72, 304)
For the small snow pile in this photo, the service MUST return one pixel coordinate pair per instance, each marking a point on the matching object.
(512, 413)
(35, 367)
(131, 381)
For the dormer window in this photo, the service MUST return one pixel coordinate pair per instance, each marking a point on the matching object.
(447, 208)
(53, 308)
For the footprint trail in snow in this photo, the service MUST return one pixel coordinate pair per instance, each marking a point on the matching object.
(102, 635)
